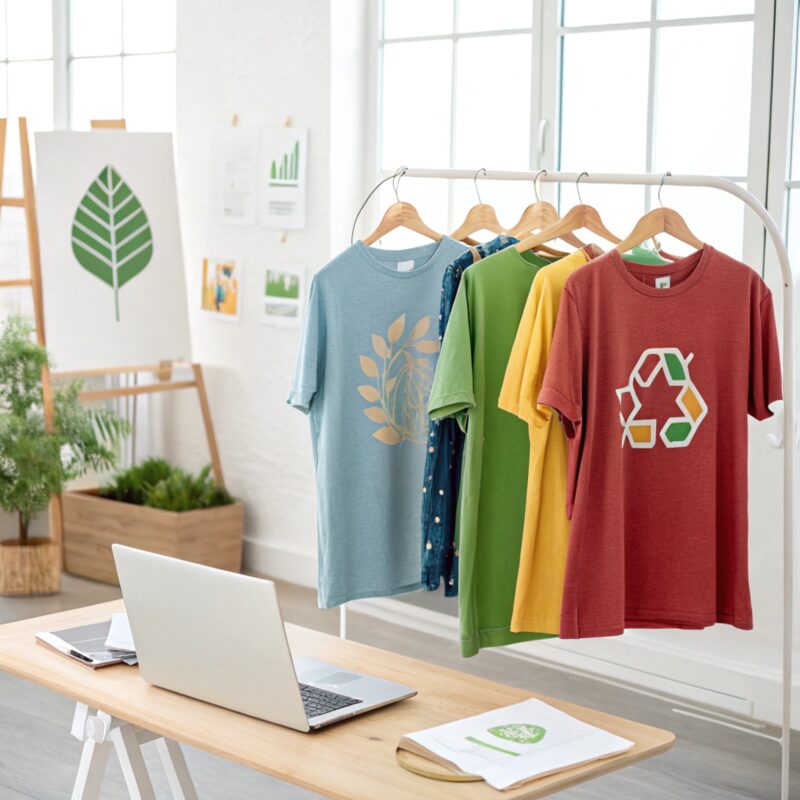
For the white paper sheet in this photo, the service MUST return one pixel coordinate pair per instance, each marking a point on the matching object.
(518, 743)
(119, 634)
(236, 175)
(283, 177)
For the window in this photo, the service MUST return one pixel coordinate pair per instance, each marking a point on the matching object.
(65, 62)
(523, 85)
(122, 63)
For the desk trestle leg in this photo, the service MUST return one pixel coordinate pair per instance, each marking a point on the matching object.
(100, 733)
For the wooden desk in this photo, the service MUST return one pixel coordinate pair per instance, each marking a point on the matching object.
(354, 760)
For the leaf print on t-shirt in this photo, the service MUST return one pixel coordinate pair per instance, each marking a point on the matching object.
(402, 375)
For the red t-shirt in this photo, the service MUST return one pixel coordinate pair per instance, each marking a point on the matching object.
(653, 370)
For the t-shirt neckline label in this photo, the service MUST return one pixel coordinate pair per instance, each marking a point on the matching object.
(661, 271)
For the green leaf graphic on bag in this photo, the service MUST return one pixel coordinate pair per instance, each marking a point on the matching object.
(519, 733)
(111, 236)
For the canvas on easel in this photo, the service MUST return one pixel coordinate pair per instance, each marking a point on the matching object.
(112, 266)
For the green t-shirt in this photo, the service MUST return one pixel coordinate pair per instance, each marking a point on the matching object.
(469, 375)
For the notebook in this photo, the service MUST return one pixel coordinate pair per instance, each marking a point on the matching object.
(86, 644)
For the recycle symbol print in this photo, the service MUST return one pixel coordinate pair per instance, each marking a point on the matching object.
(677, 431)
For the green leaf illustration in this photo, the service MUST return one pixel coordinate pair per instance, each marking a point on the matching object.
(111, 235)
(519, 733)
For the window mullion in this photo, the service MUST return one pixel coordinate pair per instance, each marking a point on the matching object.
(453, 111)
(61, 76)
(651, 99)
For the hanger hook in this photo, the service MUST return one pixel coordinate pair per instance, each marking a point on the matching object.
(396, 181)
(577, 186)
(536, 184)
(660, 185)
(475, 181)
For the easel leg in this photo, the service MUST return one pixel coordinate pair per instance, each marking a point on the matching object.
(178, 777)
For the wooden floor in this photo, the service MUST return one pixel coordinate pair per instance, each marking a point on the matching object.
(38, 757)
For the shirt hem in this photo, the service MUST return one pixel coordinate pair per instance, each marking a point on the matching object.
(331, 602)
(497, 637)
(644, 619)
(526, 625)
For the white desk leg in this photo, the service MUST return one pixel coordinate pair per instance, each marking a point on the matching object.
(134, 770)
(178, 777)
(91, 769)
(99, 732)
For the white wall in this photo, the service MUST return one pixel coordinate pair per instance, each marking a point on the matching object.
(264, 61)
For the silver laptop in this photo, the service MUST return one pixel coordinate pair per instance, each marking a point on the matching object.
(218, 636)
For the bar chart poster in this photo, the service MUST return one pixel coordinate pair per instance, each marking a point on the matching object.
(283, 170)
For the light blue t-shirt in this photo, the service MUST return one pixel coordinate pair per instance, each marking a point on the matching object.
(364, 372)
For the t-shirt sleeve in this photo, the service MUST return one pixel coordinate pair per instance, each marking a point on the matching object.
(511, 391)
(765, 362)
(452, 393)
(562, 385)
(531, 409)
(310, 358)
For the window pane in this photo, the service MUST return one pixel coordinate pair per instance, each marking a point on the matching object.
(478, 15)
(497, 136)
(415, 126)
(595, 66)
(677, 9)
(30, 28)
(149, 92)
(30, 93)
(713, 138)
(416, 17)
(95, 27)
(149, 25)
(96, 90)
(794, 153)
(592, 12)
(2, 29)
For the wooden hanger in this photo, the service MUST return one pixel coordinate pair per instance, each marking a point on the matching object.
(660, 220)
(400, 215)
(481, 217)
(580, 216)
(539, 215)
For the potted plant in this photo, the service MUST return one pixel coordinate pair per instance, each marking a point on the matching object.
(153, 506)
(36, 463)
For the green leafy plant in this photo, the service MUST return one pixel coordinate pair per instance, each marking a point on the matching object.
(157, 484)
(111, 235)
(133, 485)
(35, 462)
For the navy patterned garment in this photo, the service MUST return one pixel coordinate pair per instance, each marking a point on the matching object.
(445, 444)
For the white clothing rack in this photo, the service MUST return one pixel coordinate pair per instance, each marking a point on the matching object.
(788, 440)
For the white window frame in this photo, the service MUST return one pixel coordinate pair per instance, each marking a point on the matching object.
(547, 42)
(62, 60)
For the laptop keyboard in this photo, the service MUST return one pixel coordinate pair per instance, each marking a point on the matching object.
(318, 701)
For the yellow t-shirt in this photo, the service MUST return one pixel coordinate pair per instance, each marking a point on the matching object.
(545, 537)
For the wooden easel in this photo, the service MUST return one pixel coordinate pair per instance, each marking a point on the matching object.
(28, 203)
(162, 371)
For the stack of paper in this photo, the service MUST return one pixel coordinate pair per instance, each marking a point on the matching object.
(510, 746)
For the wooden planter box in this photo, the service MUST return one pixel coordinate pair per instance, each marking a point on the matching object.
(211, 536)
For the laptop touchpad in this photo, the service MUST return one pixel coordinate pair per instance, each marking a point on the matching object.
(337, 678)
